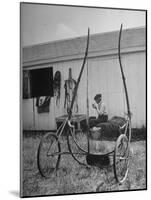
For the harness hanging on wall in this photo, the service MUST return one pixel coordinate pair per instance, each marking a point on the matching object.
(57, 86)
(69, 86)
(43, 103)
(26, 84)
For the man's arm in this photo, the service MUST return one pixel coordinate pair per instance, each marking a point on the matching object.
(101, 109)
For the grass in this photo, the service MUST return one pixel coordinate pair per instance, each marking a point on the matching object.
(74, 178)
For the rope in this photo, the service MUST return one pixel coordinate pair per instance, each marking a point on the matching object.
(88, 125)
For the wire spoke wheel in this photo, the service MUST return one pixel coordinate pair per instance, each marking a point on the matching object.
(48, 156)
(121, 158)
(77, 145)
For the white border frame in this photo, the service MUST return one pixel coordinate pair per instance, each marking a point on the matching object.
(9, 87)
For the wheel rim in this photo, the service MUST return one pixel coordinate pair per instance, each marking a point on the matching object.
(75, 151)
(121, 158)
(48, 157)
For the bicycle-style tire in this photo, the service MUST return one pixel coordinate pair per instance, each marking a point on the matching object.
(121, 158)
(47, 161)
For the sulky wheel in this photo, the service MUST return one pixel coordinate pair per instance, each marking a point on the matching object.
(48, 156)
(77, 146)
(121, 158)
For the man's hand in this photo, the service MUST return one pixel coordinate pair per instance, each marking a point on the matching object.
(94, 106)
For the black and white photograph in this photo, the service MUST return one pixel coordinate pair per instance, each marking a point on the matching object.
(83, 73)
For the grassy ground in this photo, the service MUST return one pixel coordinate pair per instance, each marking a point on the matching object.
(74, 178)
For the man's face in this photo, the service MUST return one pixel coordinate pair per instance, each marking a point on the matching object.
(98, 101)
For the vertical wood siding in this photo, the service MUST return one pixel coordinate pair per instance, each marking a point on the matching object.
(103, 77)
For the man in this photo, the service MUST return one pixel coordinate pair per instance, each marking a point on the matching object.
(100, 108)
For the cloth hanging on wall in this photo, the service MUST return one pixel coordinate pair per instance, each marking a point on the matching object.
(57, 86)
(43, 104)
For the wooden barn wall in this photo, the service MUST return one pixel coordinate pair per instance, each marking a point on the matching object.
(103, 77)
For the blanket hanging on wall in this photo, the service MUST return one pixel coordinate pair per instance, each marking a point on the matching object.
(57, 86)
(43, 104)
